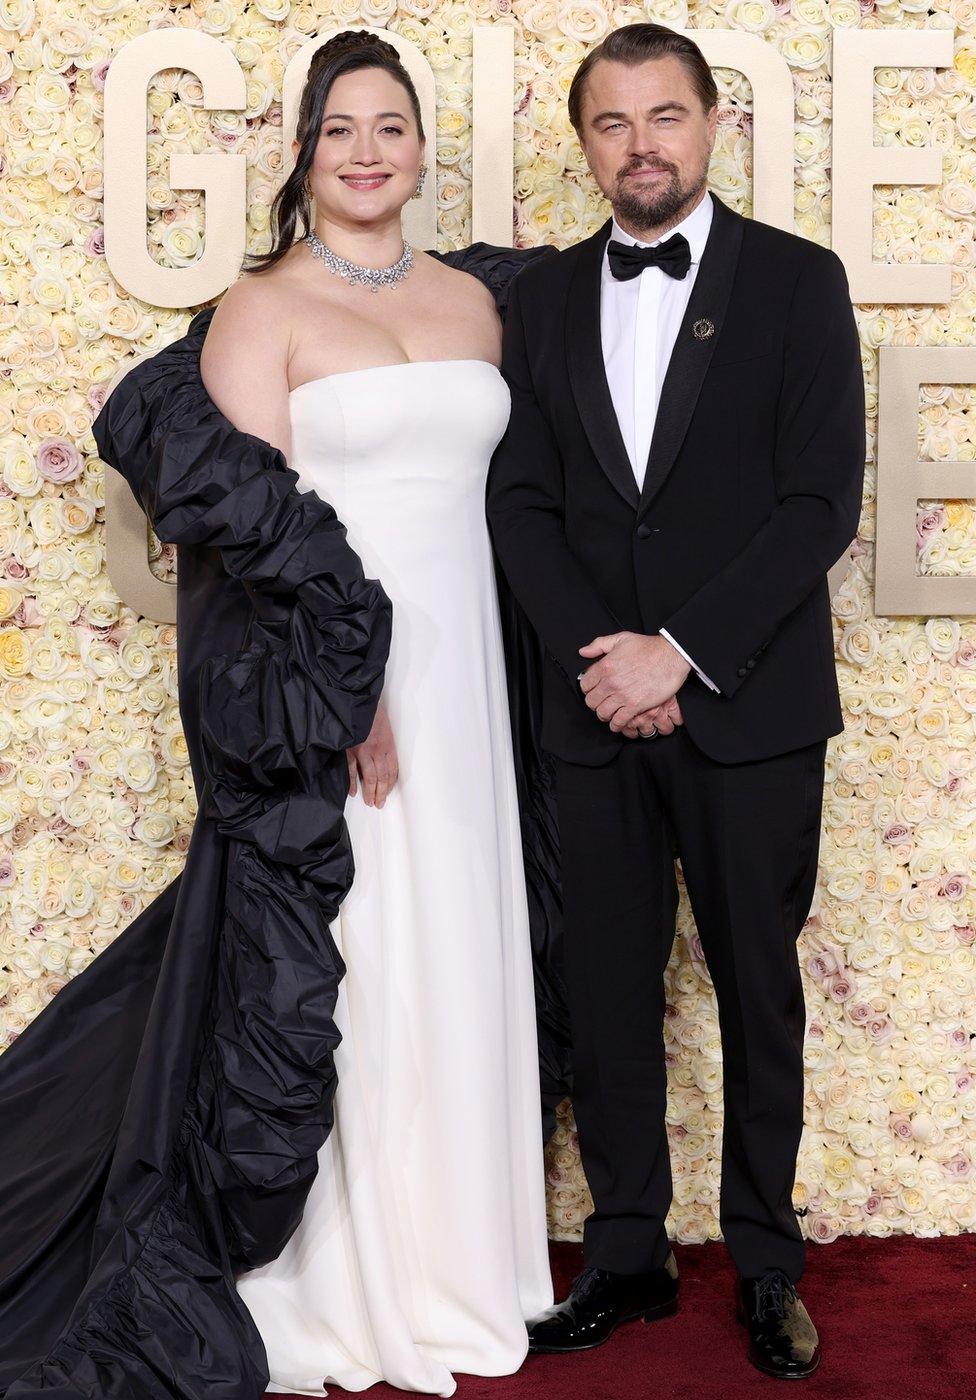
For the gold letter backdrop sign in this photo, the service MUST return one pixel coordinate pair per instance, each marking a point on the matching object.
(140, 148)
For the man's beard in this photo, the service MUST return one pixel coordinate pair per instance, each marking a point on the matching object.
(663, 204)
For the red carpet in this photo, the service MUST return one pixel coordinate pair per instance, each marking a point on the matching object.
(897, 1321)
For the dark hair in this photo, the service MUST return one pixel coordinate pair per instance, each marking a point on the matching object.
(636, 43)
(345, 52)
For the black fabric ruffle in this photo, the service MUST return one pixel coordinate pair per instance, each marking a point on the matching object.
(230, 1081)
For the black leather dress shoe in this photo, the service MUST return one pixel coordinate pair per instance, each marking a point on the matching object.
(784, 1341)
(599, 1302)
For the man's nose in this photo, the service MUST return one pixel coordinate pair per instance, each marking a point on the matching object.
(645, 139)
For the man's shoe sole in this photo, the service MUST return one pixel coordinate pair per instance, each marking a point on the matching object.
(651, 1314)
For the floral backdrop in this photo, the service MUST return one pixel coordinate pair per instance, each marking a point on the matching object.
(96, 797)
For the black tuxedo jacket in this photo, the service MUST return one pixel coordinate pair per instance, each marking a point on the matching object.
(752, 489)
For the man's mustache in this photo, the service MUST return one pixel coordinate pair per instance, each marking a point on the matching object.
(636, 169)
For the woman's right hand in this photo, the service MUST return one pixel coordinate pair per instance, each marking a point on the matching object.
(374, 761)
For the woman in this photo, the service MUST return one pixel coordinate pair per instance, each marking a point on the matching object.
(422, 1249)
(145, 1209)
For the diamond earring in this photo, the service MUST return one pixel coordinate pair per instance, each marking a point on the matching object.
(420, 183)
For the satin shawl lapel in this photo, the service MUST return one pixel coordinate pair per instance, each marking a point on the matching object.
(692, 351)
(587, 372)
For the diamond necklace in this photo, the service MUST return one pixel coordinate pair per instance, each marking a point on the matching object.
(371, 277)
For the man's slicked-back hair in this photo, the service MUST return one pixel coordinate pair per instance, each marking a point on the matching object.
(637, 43)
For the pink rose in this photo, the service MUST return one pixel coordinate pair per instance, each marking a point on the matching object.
(928, 522)
(880, 1029)
(59, 460)
(841, 987)
(953, 886)
(965, 934)
(958, 1168)
(94, 244)
(6, 871)
(822, 1229)
(860, 1012)
(873, 1203)
(822, 965)
(901, 1126)
(896, 833)
(27, 613)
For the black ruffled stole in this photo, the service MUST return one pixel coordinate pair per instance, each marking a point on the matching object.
(163, 1113)
(161, 1117)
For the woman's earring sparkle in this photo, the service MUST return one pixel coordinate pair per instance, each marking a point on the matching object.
(420, 183)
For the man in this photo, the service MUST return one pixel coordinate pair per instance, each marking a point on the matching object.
(683, 465)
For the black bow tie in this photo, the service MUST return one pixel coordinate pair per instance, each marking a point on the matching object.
(673, 256)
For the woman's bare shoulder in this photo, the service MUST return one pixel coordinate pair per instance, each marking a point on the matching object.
(255, 302)
(455, 282)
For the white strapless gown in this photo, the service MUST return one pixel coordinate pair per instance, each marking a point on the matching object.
(422, 1249)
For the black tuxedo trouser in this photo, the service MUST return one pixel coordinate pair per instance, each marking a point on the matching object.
(748, 837)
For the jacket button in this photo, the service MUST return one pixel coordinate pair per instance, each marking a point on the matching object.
(643, 532)
(742, 671)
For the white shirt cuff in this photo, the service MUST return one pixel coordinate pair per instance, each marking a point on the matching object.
(711, 684)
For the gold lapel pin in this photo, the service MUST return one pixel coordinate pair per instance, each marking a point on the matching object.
(703, 329)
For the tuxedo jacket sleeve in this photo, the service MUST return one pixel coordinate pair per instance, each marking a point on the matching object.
(819, 465)
(525, 513)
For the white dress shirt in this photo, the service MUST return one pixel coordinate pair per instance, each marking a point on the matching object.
(639, 320)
